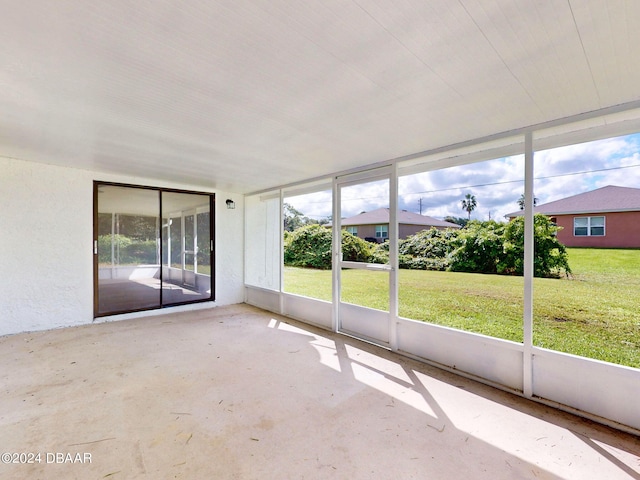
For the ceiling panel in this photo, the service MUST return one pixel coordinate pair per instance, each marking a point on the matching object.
(246, 95)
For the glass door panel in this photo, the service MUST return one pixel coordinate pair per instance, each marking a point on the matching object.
(128, 249)
(188, 237)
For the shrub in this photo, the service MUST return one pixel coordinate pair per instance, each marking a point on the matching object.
(432, 243)
(486, 247)
(121, 242)
(480, 247)
(380, 253)
(310, 246)
(477, 248)
(128, 251)
(550, 258)
(355, 249)
(140, 252)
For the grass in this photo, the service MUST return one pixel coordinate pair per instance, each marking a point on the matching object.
(593, 314)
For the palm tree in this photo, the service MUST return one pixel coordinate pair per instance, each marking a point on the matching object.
(521, 201)
(469, 204)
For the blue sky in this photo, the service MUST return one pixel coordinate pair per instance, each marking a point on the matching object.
(496, 184)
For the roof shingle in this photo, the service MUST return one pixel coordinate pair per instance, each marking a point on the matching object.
(605, 199)
(381, 216)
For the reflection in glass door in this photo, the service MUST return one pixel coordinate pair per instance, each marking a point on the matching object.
(127, 249)
(189, 247)
(188, 237)
(363, 308)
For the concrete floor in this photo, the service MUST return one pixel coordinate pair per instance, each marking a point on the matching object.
(239, 393)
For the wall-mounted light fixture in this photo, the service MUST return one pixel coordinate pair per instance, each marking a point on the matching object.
(231, 204)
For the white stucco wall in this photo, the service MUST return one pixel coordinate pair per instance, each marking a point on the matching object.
(46, 240)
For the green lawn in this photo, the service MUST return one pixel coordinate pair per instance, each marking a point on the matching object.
(593, 314)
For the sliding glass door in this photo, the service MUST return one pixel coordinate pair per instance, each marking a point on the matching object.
(186, 266)
(152, 248)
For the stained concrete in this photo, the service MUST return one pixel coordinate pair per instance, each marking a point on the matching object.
(239, 393)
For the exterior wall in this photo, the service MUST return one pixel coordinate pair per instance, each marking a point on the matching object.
(46, 245)
(622, 230)
(365, 231)
(404, 230)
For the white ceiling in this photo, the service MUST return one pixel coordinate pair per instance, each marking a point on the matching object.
(243, 95)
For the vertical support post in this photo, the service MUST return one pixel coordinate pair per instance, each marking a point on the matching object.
(159, 233)
(527, 378)
(393, 258)
(336, 250)
(245, 207)
(113, 245)
(183, 243)
(281, 244)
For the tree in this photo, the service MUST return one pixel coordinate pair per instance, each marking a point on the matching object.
(521, 202)
(550, 258)
(477, 248)
(469, 204)
(293, 218)
(457, 220)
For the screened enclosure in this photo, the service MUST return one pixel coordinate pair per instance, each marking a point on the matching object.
(502, 298)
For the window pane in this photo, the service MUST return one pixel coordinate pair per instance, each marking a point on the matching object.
(597, 226)
(204, 242)
(187, 243)
(580, 226)
(382, 231)
(128, 249)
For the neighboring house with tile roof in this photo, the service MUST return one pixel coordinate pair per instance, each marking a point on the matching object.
(608, 217)
(375, 224)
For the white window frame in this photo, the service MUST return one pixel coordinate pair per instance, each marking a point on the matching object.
(382, 231)
(352, 230)
(590, 226)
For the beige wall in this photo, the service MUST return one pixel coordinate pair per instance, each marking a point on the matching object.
(404, 230)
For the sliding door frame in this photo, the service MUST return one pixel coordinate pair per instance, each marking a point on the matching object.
(161, 191)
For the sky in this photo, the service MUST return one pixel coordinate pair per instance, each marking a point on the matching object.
(496, 184)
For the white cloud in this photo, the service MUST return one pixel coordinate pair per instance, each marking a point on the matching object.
(496, 184)
(566, 171)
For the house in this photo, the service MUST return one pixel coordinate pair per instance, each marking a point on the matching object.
(607, 217)
(374, 225)
(189, 108)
